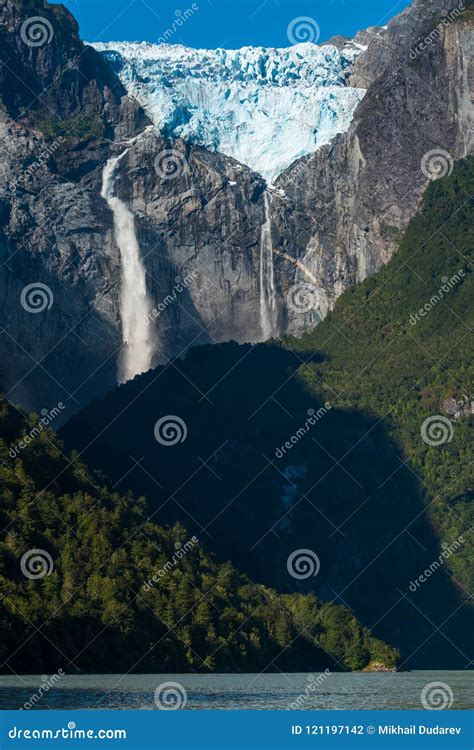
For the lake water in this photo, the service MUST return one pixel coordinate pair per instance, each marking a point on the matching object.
(238, 691)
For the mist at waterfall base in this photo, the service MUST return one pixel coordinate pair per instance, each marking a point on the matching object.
(135, 304)
(263, 107)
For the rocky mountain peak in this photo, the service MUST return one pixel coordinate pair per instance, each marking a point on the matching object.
(402, 35)
(223, 256)
(49, 79)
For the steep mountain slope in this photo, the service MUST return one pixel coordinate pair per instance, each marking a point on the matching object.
(344, 442)
(264, 107)
(61, 107)
(56, 235)
(36, 81)
(224, 257)
(89, 582)
(401, 347)
(351, 200)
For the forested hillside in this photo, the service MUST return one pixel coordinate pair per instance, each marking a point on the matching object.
(89, 582)
(378, 483)
(382, 356)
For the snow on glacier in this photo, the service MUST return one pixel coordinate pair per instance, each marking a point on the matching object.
(264, 107)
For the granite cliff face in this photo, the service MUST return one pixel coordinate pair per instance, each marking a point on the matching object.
(352, 199)
(61, 109)
(225, 257)
(198, 221)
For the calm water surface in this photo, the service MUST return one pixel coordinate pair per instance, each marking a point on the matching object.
(259, 691)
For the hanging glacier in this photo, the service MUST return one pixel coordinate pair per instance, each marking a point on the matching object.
(264, 107)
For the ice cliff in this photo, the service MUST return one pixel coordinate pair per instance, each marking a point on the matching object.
(264, 107)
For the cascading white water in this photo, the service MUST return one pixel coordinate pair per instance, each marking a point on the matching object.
(268, 308)
(135, 305)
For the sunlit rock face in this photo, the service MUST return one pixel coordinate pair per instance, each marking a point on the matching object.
(225, 255)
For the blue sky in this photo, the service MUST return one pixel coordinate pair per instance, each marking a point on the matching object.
(226, 23)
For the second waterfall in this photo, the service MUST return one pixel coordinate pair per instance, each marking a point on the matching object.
(268, 308)
(135, 304)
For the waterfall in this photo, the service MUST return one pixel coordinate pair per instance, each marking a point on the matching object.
(267, 276)
(135, 305)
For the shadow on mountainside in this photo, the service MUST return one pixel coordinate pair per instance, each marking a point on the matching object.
(260, 469)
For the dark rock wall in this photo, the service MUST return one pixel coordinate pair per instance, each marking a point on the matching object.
(336, 216)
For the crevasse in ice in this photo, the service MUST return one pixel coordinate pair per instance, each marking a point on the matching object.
(263, 107)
